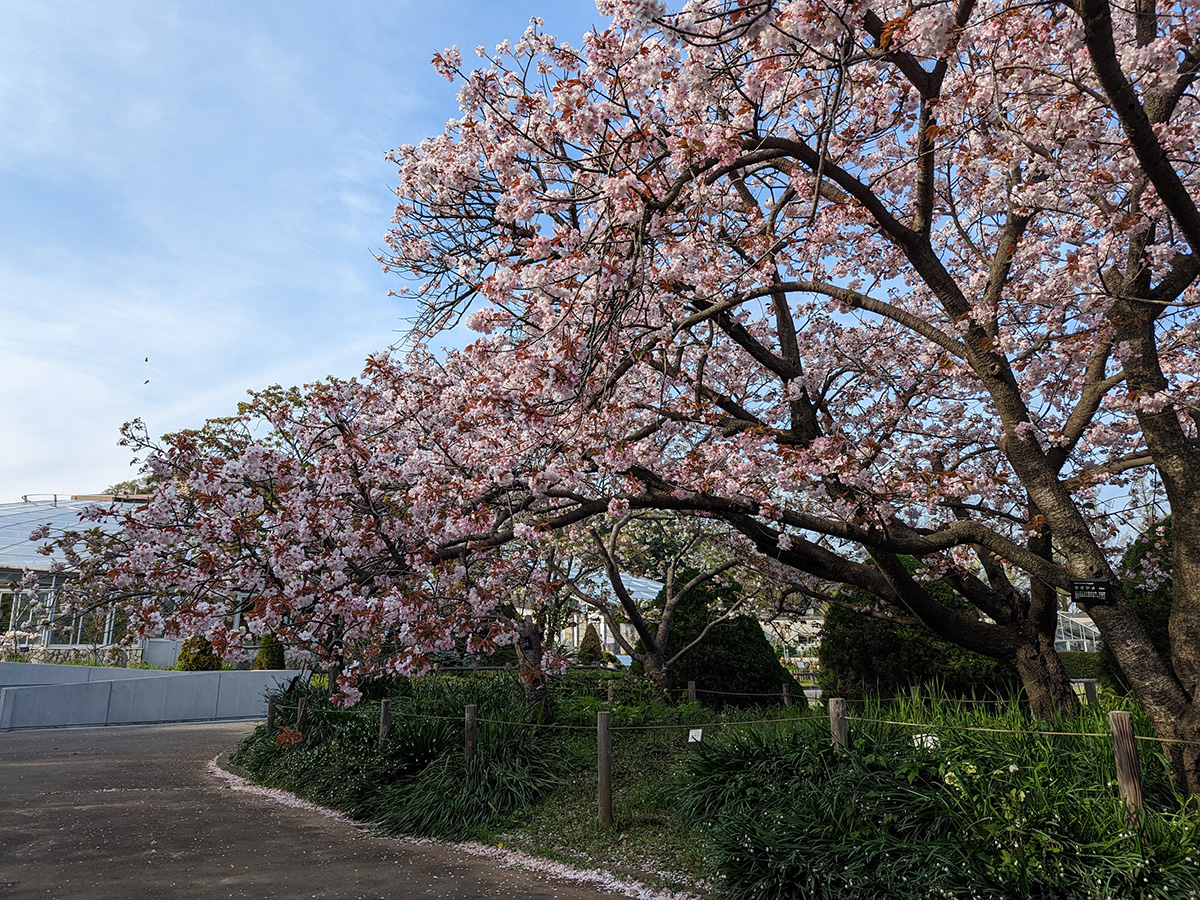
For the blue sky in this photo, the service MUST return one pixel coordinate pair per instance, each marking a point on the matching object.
(202, 185)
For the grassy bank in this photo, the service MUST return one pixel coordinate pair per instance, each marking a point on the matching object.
(933, 799)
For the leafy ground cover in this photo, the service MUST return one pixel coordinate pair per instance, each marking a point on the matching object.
(932, 799)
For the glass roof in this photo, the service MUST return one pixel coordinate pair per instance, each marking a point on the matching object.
(643, 590)
(17, 520)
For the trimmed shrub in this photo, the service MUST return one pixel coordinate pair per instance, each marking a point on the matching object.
(270, 654)
(864, 656)
(1081, 664)
(735, 662)
(734, 665)
(590, 652)
(196, 655)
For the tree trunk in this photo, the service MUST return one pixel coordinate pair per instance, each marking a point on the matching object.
(1185, 640)
(1172, 712)
(1184, 758)
(653, 668)
(529, 660)
(1045, 680)
(1025, 640)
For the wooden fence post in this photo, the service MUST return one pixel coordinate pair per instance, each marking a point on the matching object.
(604, 767)
(691, 692)
(469, 732)
(301, 713)
(787, 696)
(1129, 774)
(385, 718)
(1089, 690)
(837, 722)
(270, 714)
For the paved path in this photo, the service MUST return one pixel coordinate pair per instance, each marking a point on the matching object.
(113, 813)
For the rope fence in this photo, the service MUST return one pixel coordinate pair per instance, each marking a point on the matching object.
(273, 708)
(1120, 732)
(934, 726)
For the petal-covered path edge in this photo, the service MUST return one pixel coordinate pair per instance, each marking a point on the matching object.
(236, 779)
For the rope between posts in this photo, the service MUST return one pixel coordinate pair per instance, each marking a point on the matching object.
(805, 718)
(932, 726)
(482, 721)
(1150, 737)
(311, 711)
(941, 727)
(550, 725)
(920, 697)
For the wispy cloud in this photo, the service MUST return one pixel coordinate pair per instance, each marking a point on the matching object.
(201, 184)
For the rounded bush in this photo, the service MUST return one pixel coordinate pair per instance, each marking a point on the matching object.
(270, 654)
(862, 656)
(734, 665)
(196, 655)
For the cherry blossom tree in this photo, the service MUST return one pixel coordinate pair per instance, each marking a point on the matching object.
(860, 279)
(301, 516)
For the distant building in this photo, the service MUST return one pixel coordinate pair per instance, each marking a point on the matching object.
(93, 631)
(643, 590)
(1076, 632)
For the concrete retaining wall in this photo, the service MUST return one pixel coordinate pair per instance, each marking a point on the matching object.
(160, 652)
(24, 673)
(123, 700)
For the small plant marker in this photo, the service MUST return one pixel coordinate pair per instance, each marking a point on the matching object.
(301, 713)
(270, 714)
(604, 767)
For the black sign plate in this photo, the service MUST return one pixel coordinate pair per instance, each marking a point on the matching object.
(1089, 591)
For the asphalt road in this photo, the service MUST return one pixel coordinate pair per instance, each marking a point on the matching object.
(135, 813)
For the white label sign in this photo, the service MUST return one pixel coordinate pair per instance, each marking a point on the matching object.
(695, 735)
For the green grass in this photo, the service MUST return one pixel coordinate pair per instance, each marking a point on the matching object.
(647, 841)
(983, 814)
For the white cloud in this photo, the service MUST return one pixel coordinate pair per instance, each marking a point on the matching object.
(200, 184)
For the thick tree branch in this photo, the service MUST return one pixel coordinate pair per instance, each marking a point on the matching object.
(1096, 16)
